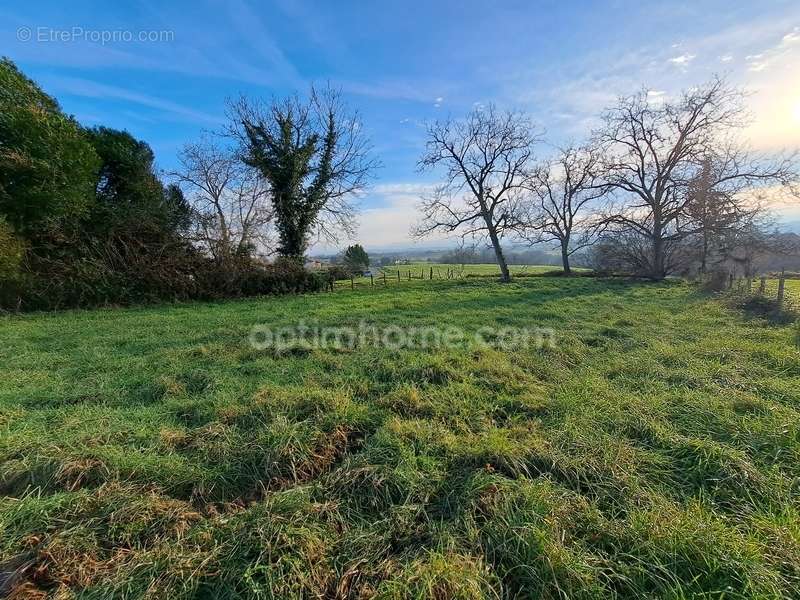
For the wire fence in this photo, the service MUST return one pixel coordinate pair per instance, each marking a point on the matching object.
(784, 291)
(398, 276)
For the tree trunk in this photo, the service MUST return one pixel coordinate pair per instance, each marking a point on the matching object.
(505, 276)
(658, 269)
(704, 253)
(565, 256)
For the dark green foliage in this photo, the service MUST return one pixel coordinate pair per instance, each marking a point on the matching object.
(131, 201)
(12, 251)
(126, 248)
(314, 157)
(338, 273)
(12, 254)
(86, 221)
(355, 259)
(248, 278)
(48, 168)
(296, 160)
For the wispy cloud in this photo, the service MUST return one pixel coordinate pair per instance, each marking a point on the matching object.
(792, 37)
(682, 60)
(397, 89)
(90, 89)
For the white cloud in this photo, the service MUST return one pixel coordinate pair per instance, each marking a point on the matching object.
(402, 189)
(682, 60)
(726, 58)
(438, 102)
(791, 37)
(388, 221)
(656, 97)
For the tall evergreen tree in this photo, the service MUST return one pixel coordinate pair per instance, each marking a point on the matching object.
(48, 167)
(355, 258)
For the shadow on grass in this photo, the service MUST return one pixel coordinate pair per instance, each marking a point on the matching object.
(764, 309)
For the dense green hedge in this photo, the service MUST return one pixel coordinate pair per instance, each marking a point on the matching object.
(92, 281)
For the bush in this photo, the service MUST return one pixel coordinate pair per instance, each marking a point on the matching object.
(715, 281)
(106, 273)
(249, 278)
(338, 272)
(107, 278)
(12, 253)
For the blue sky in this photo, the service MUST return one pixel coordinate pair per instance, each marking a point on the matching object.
(401, 64)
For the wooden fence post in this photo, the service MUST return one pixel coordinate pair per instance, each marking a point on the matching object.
(398, 275)
(431, 273)
(781, 290)
(352, 282)
(730, 281)
(371, 279)
(409, 274)
(762, 286)
(384, 278)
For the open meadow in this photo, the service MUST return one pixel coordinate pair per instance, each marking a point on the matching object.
(403, 273)
(651, 448)
(466, 269)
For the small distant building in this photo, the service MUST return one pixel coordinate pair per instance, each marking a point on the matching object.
(313, 264)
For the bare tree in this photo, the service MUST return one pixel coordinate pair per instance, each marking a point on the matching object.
(314, 156)
(487, 161)
(231, 200)
(655, 152)
(563, 194)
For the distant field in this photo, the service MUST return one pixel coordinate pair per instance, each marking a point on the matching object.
(422, 270)
(482, 269)
(651, 451)
(792, 290)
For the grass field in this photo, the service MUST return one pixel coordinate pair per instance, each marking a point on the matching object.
(652, 451)
(422, 270)
(479, 269)
(791, 292)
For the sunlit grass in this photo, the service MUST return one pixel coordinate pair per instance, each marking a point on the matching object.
(653, 452)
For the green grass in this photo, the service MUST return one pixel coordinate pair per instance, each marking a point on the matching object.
(791, 291)
(416, 269)
(422, 270)
(654, 451)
